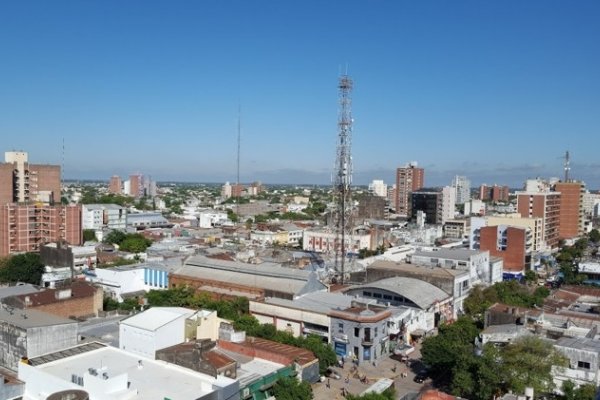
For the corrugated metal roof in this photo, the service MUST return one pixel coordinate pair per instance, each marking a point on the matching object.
(421, 293)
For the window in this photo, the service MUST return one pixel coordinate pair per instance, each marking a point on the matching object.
(387, 297)
(375, 332)
(340, 327)
(583, 364)
(367, 294)
(356, 332)
(377, 295)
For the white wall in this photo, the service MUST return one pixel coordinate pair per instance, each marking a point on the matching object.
(145, 342)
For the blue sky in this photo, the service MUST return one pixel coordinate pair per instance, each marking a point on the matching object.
(497, 91)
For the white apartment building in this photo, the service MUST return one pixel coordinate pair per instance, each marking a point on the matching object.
(211, 218)
(448, 203)
(462, 188)
(378, 188)
(101, 216)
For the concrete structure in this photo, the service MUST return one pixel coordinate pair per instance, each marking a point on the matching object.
(211, 218)
(533, 226)
(107, 373)
(157, 328)
(462, 189)
(457, 228)
(227, 279)
(371, 207)
(30, 333)
(408, 179)
(378, 188)
(324, 241)
(26, 227)
(22, 182)
(115, 185)
(571, 222)
(474, 207)
(493, 193)
(104, 216)
(584, 362)
(545, 205)
(476, 263)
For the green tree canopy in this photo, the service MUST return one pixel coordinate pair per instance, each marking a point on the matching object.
(594, 236)
(291, 389)
(89, 235)
(26, 267)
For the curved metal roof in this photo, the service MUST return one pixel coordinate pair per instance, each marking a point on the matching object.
(421, 293)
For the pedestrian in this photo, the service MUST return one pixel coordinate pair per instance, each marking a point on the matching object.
(328, 384)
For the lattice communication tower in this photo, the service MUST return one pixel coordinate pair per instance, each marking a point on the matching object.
(342, 177)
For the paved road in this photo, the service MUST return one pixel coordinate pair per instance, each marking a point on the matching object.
(385, 368)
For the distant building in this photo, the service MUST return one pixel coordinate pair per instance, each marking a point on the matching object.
(462, 188)
(457, 228)
(571, 222)
(378, 188)
(115, 186)
(583, 355)
(104, 216)
(371, 207)
(325, 241)
(474, 207)
(408, 179)
(437, 204)
(545, 205)
(493, 193)
(147, 220)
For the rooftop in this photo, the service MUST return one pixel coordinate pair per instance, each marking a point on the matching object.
(413, 268)
(155, 317)
(456, 254)
(145, 379)
(579, 343)
(421, 293)
(26, 319)
(77, 290)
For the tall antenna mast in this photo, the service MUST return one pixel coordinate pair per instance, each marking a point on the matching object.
(237, 183)
(62, 170)
(567, 166)
(342, 179)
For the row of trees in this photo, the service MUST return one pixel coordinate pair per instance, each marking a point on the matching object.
(508, 292)
(26, 267)
(482, 373)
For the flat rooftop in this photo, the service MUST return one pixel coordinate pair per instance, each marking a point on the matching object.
(152, 380)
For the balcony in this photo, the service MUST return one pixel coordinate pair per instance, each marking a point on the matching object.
(367, 341)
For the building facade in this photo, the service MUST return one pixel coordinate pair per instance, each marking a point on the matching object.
(545, 205)
(115, 186)
(26, 227)
(22, 182)
(408, 179)
(493, 193)
(104, 216)
(571, 222)
(462, 188)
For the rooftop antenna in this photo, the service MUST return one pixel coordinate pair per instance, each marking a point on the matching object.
(567, 166)
(62, 170)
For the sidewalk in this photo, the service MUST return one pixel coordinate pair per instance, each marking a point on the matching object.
(384, 368)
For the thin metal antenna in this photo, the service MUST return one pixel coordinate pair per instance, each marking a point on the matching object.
(62, 170)
(237, 184)
(567, 166)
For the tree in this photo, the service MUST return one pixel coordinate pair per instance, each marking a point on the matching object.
(288, 388)
(594, 236)
(527, 362)
(134, 244)
(26, 267)
(89, 235)
(388, 394)
(115, 237)
(442, 352)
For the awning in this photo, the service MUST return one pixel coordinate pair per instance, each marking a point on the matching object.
(418, 333)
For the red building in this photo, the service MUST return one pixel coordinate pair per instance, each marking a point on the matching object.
(115, 185)
(493, 193)
(571, 215)
(508, 243)
(408, 179)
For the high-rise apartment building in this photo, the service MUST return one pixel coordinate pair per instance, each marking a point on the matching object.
(136, 185)
(115, 185)
(545, 205)
(22, 182)
(462, 187)
(26, 227)
(28, 216)
(493, 193)
(408, 179)
(571, 215)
